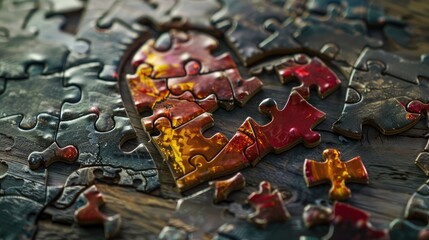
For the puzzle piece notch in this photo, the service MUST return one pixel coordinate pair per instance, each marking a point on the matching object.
(395, 65)
(268, 204)
(381, 95)
(313, 74)
(97, 96)
(179, 145)
(18, 97)
(90, 214)
(184, 48)
(223, 188)
(145, 90)
(230, 159)
(52, 154)
(335, 171)
(227, 85)
(279, 135)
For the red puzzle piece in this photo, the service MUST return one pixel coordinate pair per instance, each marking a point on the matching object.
(312, 74)
(287, 128)
(268, 204)
(90, 214)
(335, 171)
(352, 223)
(184, 48)
(417, 106)
(224, 187)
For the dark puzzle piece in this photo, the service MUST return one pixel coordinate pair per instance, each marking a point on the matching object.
(185, 46)
(242, 23)
(422, 159)
(313, 74)
(97, 96)
(53, 153)
(22, 51)
(22, 197)
(225, 187)
(18, 98)
(89, 213)
(395, 65)
(334, 170)
(415, 224)
(103, 148)
(379, 100)
(268, 204)
(18, 143)
(279, 135)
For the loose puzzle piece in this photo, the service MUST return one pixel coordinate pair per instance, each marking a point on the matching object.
(242, 23)
(179, 145)
(268, 204)
(315, 215)
(395, 65)
(98, 96)
(146, 92)
(280, 135)
(90, 214)
(229, 160)
(352, 223)
(416, 222)
(335, 171)
(312, 74)
(103, 148)
(22, 51)
(379, 100)
(53, 153)
(18, 98)
(222, 188)
(184, 48)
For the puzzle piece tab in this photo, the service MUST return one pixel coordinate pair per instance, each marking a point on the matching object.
(53, 153)
(280, 135)
(222, 188)
(184, 48)
(90, 214)
(312, 74)
(268, 205)
(335, 171)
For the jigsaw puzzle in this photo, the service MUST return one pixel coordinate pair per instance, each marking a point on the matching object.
(141, 119)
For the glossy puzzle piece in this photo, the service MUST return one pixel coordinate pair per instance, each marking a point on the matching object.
(179, 145)
(279, 135)
(268, 204)
(312, 74)
(372, 96)
(395, 65)
(22, 51)
(336, 171)
(89, 213)
(185, 46)
(242, 23)
(18, 143)
(416, 222)
(314, 215)
(229, 160)
(103, 148)
(222, 188)
(22, 198)
(53, 153)
(18, 98)
(349, 222)
(98, 96)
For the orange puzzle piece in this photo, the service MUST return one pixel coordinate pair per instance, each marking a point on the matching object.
(335, 171)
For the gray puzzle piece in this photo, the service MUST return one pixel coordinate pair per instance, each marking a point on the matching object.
(20, 97)
(98, 96)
